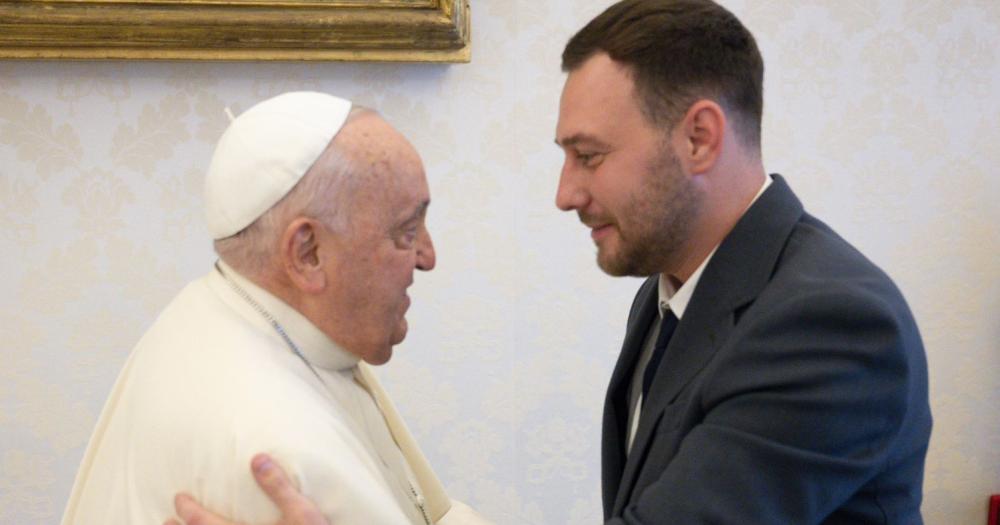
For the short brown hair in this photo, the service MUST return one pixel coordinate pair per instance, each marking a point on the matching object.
(679, 51)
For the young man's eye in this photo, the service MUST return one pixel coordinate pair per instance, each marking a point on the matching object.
(589, 159)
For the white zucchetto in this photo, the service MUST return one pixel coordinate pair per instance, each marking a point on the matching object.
(263, 154)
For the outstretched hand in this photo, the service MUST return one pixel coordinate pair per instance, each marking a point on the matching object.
(295, 508)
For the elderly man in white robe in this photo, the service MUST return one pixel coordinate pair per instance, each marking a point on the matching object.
(317, 211)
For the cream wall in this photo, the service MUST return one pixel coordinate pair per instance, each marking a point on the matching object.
(883, 115)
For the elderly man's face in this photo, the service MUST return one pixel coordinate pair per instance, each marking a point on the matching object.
(385, 240)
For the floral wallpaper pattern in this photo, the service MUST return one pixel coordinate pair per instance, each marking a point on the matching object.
(883, 116)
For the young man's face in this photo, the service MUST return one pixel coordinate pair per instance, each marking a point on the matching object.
(620, 173)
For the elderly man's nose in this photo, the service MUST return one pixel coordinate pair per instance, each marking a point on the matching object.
(426, 258)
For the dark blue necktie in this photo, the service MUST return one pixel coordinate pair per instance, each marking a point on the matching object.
(667, 326)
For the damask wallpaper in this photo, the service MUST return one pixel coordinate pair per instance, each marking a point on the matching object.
(883, 116)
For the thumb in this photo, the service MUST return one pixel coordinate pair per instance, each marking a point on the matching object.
(294, 507)
(275, 482)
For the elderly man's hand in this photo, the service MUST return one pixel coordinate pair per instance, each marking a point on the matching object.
(295, 508)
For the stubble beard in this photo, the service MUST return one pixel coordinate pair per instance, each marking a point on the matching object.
(659, 221)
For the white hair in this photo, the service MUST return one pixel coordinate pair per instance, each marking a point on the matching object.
(323, 193)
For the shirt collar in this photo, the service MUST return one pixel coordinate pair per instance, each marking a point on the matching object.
(677, 299)
(315, 346)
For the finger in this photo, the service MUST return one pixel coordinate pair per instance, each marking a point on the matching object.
(295, 508)
(275, 483)
(194, 514)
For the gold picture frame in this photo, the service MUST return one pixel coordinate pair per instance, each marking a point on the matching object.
(355, 30)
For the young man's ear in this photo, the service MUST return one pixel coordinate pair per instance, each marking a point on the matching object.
(699, 136)
(300, 257)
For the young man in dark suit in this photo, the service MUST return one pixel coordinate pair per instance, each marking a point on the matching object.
(770, 373)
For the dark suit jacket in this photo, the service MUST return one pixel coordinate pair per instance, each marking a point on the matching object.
(794, 390)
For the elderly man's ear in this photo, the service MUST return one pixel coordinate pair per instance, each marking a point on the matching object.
(300, 255)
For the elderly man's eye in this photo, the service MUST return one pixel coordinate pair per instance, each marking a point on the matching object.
(407, 238)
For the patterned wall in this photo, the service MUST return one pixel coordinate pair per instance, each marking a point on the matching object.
(882, 114)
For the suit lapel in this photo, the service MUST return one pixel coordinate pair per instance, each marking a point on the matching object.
(690, 349)
(740, 268)
(613, 435)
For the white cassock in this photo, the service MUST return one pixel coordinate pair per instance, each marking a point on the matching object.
(212, 383)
